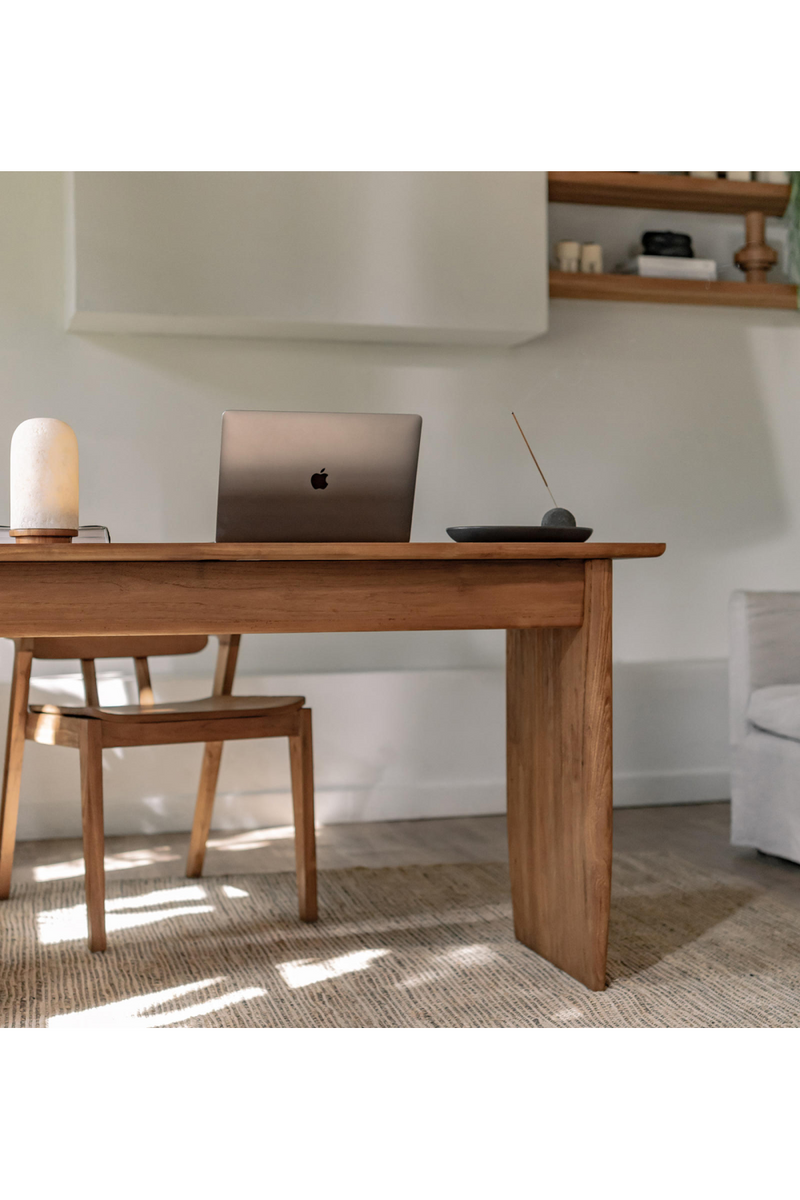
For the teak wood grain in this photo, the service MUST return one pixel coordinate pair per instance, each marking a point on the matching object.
(90, 744)
(212, 759)
(149, 714)
(91, 728)
(109, 647)
(51, 729)
(647, 189)
(53, 599)
(554, 600)
(305, 850)
(143, 682)
(560, 785)
(324, 551)
(12, 769)
(638, 289)
(90, 681)
(282, 723)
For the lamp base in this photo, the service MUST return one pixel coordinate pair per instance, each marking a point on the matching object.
(38, 537)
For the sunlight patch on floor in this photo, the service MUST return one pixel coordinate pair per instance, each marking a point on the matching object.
(176, 895)
(233, 893)
(477, 955)
(251, 839)
(113, 862)
(304, 971)
(135, 1010)
(254, 839)
(199, 1010)
(568, 1014)
(70, 924)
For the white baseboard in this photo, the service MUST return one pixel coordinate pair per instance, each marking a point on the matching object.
(637, 790)
(389, 745)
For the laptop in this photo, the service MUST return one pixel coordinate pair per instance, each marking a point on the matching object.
(317, 477)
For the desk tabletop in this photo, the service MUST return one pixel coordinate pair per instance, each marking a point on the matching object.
(325, 551)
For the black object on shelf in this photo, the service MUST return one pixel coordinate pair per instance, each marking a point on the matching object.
(665, 244)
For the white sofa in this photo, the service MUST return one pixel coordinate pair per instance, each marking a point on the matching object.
(765, 721)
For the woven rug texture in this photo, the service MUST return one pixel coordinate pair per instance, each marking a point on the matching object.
(426, 947)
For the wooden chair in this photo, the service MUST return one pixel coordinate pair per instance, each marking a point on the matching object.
(217, 719)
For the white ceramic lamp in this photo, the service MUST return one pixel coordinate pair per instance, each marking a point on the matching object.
(44, 481)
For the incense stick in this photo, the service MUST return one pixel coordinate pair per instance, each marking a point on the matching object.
(533, 456)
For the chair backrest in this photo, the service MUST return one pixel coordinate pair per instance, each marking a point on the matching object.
(87, 649)
(145, 646)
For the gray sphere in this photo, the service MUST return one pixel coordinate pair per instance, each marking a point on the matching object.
(559, 516)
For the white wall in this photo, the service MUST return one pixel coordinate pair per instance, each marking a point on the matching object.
(428, 256)
(652, 422)
(388, 744)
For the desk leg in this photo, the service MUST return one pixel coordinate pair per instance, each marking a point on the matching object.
(91, 755)
(559, 785)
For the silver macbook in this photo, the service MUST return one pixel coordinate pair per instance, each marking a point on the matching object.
(317, 477)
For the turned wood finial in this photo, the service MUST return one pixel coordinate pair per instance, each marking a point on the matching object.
(755, 258)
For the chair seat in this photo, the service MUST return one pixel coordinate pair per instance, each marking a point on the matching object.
(183, 710)
(776, 710)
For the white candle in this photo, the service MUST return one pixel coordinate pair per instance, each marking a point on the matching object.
(44, 475)
(592, 258)
(568, 255)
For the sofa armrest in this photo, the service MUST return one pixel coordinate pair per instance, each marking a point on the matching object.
(764, 648)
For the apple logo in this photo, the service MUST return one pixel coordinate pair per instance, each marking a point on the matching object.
(320, 480)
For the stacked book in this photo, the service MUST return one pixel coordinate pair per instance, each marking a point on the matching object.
(663, 266)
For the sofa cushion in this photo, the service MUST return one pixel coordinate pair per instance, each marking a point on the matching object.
(776, 710)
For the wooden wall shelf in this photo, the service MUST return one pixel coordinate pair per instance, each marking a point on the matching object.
(565, 286)
(629, 189)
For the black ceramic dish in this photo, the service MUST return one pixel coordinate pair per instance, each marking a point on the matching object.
(518, 533)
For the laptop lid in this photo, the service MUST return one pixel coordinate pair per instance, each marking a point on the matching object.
(317, 477)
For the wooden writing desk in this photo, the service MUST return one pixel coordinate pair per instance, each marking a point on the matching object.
(554, 601)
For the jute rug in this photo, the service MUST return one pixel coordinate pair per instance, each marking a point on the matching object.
(416, 946)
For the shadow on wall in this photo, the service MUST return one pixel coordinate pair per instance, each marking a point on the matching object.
(661, 415)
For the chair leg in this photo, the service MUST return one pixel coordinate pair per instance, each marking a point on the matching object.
(203, 808)
(305, 845)
(91, 752)
(12, 770)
